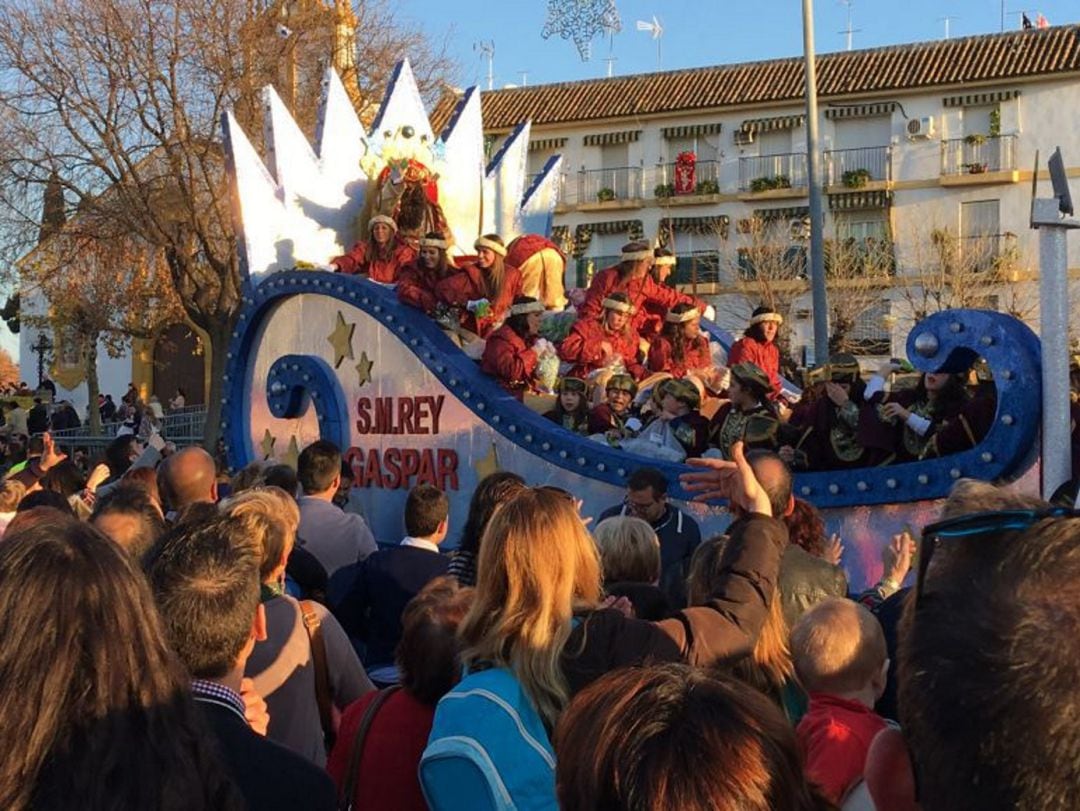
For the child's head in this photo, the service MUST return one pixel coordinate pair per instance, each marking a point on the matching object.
(838, 648)
(621, 389)
(571, 394)
(678, 397)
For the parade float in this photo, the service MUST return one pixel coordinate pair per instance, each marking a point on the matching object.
(319, 354)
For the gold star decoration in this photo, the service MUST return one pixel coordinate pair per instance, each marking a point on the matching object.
(267, 445)
(363, 369)
(488, 465)
(341, 340)
(292, 455)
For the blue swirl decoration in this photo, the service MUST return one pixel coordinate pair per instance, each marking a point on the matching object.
(297, 382)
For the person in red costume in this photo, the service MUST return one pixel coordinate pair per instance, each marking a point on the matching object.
(663, 266)
(418, 279)
(508, 356)
(631, 276)
(483, 290)
(758, 346)
(594, 343)
(681, 347)
(381, 257)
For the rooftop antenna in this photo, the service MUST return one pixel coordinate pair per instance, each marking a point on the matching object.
(486, 49)
(524, 74)
(947, 19)
(611, 25)
(849, 30)
(656, 30)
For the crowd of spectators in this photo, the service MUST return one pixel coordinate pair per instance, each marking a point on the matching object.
(182, 641)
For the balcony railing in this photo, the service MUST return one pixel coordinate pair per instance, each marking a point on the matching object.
(602, 185)
(856, 167)
(706, 180)
(769, 172)
(978, 154)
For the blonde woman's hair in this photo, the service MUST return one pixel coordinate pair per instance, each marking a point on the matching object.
(11, 493)
(272, 517)
(536, 563)
(629, 550)
(769, 665)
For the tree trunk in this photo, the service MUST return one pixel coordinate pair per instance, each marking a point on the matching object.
(93, 387)
(220, 336)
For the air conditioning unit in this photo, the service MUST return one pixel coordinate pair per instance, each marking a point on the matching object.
(920, 129)
(744, 137)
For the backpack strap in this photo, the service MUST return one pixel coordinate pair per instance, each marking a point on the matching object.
(322, 672)
(348, 789)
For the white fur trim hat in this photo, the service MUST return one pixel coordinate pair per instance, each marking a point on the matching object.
(382, 218)
(490, 244)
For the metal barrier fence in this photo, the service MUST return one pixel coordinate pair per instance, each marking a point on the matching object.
(182, 426)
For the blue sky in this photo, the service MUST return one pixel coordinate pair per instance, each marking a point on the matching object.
(706, 32)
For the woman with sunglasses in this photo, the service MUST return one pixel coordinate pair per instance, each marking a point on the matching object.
(936, 418)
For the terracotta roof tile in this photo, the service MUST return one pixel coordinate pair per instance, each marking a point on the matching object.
(981, 59)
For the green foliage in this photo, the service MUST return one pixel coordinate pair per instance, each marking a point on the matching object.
(856, 178)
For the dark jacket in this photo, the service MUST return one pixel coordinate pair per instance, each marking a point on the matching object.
(384, 584)
(805, 581)
(721, 631)
(268, 775)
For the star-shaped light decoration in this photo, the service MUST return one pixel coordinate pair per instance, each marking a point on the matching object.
(488, 465)
(363, 369)
(341, 340)
(292, 455)
(267, 444)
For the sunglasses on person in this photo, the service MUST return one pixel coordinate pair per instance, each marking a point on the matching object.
(974, 525)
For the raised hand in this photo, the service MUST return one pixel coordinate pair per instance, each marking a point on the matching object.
(734, 481)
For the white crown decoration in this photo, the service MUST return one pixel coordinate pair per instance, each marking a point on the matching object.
(304, 206)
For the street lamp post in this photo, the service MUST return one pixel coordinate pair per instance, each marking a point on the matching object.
(819, 294)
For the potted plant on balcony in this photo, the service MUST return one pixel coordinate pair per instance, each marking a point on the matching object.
(663, 190)
(976, 168)
(605, 194)
(708, 187)
(856, 178)
(975, 139)
(761, 184)
(781, 182)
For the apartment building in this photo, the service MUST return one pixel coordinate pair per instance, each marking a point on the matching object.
(928, 148)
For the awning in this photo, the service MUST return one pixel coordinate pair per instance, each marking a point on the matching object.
(560, 235)
(861, 110)
(583, 234)
(715, 225)
(979, 99)
(691, 130)
(780, 122)
(786, 213)
(546, 144)
(859, 200)
(605, 138)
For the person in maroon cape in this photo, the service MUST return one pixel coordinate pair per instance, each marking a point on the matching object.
(748, 417)
(679, 404)
(937, 417)
(758, 346)
(681, 347)
(381, 256)
(508, 354)
(615, 414)
(482, 290)
(594, 343)
(631, 276)
(419, 279)
(827, 430)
